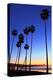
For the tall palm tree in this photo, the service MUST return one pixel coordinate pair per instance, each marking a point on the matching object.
(18, 46)
(21, 40)
(44, 15)
(26, 47)
(19, 43)
(26, 32)
(31, 29)
(14, 33)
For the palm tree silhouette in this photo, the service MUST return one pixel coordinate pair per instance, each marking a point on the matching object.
(31, 29)
(26, 32)
(21, 40)
(17, 45)
(44, 15)
(26, 47)
(14, 33)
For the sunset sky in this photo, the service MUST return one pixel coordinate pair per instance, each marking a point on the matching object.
(22, 16)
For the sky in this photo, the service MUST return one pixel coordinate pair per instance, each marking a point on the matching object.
(21, 16)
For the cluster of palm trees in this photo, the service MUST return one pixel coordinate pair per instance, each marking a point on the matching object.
(28, 30)
(44, 15)
(19, 43)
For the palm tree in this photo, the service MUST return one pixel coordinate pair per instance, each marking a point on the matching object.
(26, 32)
(19, 43)
(14, 33)
(31, 29)
(18, 46)
(21, 40)
(26, 47)
(44, 15)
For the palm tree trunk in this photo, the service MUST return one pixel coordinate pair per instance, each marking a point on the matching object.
(26, 61)
(11, 49)
(46, 47)
(26, 55)
(17, 58)
(31, 52)
(19, 54)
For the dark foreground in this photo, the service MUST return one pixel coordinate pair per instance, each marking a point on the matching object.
(14, 72)
(25, 73)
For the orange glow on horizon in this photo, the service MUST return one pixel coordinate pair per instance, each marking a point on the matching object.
(34, 62)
